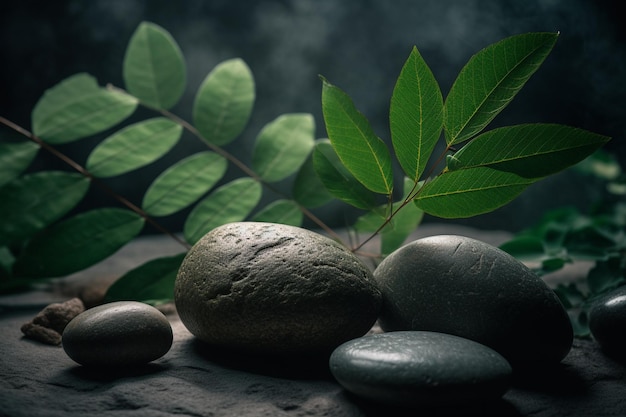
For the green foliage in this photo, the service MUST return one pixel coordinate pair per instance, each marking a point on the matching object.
(39, 238)
(566, 236)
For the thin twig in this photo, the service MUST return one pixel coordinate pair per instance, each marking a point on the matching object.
(76, 166)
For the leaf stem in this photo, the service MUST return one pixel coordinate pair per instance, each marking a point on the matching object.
(410, 197)
(78, 167)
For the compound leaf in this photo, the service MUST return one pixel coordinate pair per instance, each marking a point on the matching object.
(232, 202)
(14, 159)
(363, 153)
(34, 201)
(154, 67)
(77, 107)
(469, 192)
(415, 115)
(152, 282)
(183, 183)
(490, 80)
(133, 147)
(223, 103)
(77, 243)
(282, 146)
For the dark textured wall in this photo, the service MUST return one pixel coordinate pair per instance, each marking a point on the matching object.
(358, 45)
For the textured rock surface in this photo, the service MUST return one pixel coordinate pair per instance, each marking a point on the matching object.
(123, 333)
(41, 380)
(263, 287)
(48, 325)
(607, 321)
(420, 368)
(462, 286)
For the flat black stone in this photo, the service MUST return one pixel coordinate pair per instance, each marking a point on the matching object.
(420, 368)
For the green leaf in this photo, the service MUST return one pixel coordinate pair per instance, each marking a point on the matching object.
(308, 190)
(14, 159)
(469, 192)
(77, 243)
(282, 146)
(34, 201)
(401, 225)
(232, 202)
(529, 150)
(415, 115)
(363, 153)
(154, 67)
(133, 147)
(77, 107)
(150, 282)
(606, 276)
(280, 211)
(406, 220)
(338, 180)
(224, 102)
(490, 80)
(183, 183)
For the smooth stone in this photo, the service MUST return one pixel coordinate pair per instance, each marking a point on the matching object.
(412, 368)
(462, 286)
(271, 288)
(123, 333)
(607, 321)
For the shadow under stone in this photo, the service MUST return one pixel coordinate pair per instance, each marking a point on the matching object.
(110, 374)
(485, 408)
(556, 380)
(298, 367)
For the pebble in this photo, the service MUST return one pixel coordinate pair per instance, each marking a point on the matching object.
(607, 321)
(462, 286)
(271, 288)
(122, 333)
(412, 368)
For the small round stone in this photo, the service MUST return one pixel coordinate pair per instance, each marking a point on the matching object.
(462, 286)
(413, 368)
(123, 333)
(607, 321)
(271, 288)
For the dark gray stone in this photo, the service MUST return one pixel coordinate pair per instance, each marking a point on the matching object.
(462, 286)
(607, 321)
(420, 368)
(271, 288)
(123, 333)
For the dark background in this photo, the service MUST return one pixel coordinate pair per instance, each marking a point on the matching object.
(358, 45)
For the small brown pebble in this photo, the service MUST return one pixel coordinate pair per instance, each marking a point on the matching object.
(48, 325)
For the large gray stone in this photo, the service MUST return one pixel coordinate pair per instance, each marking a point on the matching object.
(462, 286)
(119, 334)
(420, 368)
(272, 288)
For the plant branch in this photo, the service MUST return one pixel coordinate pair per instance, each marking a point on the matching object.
(78, 167)
(243, 167)
(410, 197)
(235, 161)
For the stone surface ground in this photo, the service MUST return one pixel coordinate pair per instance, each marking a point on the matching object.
(192, 380)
